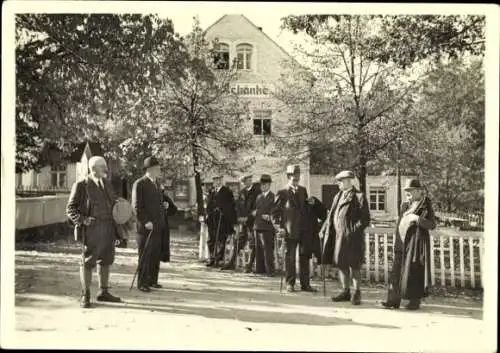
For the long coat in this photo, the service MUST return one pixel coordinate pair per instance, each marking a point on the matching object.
(221, 203)
(349, 242)
(415, 249)
(264, 206)
(289, 212)
(316, 215)
(165, 240)
(246, 203)
(147, 201)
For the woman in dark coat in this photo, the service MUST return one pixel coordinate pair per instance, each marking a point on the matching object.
(316, 214)
(410, 275)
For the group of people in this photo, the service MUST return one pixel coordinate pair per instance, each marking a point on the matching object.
(334, 235)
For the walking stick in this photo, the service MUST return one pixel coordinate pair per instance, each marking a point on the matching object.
(323, 266)
(141, 259)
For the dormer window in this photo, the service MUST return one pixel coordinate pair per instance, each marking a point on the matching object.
(244, 56)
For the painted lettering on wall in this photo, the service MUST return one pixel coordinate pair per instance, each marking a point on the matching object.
(242, 89)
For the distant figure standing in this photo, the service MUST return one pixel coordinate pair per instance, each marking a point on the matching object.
(264, 229)
(90, 206)
(170, 210)
(349, 218)
(147, 200)
(245, 205)
(410, 275)
(290, 219)
(221, 218)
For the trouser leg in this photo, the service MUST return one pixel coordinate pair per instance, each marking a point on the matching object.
(304, 271)
(290, 258)
(252, 244)
(260, 266)
(394, 292)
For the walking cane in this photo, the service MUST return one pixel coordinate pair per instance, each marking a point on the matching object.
(141, 259)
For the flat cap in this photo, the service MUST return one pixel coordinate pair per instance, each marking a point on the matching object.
(150, 162)
(345, 174)
(412, 184)
(293, 169)
(245, 176)
(265, 178)
(217, 176)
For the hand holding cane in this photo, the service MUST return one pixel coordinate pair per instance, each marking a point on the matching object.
(139, 265)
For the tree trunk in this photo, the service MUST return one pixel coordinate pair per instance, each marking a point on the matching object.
(362, 172)
(200, 208)
(398, 176)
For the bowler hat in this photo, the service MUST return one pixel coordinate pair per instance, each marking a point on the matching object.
(245, 176)
(412, 184)
(345, 174)
(150, 162)
(218, 176)
(293, 169)
(265, 178)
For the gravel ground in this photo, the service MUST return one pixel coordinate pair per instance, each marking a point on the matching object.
(201, 308)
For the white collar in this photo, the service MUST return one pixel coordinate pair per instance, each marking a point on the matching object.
(96, 180)
(266, 193)
(147, 176)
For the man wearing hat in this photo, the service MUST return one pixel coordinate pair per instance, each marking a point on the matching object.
(244, 208)
(221, 218)
(90, 208)
(411, 268)
(349, 216)
(147, 200)
(264, 229)
(290, 220)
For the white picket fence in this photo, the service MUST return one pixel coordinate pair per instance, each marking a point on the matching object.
(456, 261)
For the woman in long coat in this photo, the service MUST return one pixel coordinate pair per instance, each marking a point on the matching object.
(410, 275)
(170, 210)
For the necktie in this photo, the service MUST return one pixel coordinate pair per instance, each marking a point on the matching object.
(101, 185)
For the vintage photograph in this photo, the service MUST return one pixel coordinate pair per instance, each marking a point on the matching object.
(257, 176)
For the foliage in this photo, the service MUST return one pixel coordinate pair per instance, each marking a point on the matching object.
(75, 72)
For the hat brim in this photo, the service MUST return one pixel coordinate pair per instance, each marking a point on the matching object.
(412, 188)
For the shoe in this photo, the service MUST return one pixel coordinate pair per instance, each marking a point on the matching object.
(156, 285)
(210, 264)
(356, 298)
(290, 288)
(144, 289)
(413, 305)
(270, 274)
(85, 301)
(308, 289)
(345, 296)
(248, 270)
(390, 305)
(228, 266)
(105, 296)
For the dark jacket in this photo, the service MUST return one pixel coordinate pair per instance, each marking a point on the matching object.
(264, 206)
(289, 211)
(79, 203)
(147, 202)
(316, 215)
(349, 243)
(165, 241)
(415, 249)
(221, 204)
(246, 203)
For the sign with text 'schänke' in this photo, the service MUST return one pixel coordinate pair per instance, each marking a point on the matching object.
(264, 90)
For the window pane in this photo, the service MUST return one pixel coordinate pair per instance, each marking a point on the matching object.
(53, 181)
(373, 198)
(373, 206)
(249, 60)
(266, 126)
(239, 62)
(381, 206)
(257, 126)
(62, 180)
(381, 197)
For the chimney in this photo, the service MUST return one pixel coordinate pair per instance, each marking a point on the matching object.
(260, 28)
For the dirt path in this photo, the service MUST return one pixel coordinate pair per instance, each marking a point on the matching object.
(201, 308)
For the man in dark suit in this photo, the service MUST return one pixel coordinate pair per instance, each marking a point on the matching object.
(221, 218)
(290, 220)
(147, 200)
(244, 208)
(264, 229)
(170, 210)
(90, 207)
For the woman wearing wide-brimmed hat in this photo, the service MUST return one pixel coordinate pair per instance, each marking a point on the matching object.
(410, 275)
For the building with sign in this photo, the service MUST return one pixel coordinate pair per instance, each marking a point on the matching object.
(261, 62)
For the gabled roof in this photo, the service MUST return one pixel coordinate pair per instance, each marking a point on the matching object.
(263, 33)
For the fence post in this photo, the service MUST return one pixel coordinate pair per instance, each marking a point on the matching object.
(452, 261)
(367, 255)
(203, 247)
(377, 258)
(441, 260)
(433, 275)
(462, 262)
(386, 260)
(471, 263)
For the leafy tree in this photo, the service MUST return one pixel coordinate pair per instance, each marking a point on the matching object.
(196, 122)
(76, 72)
